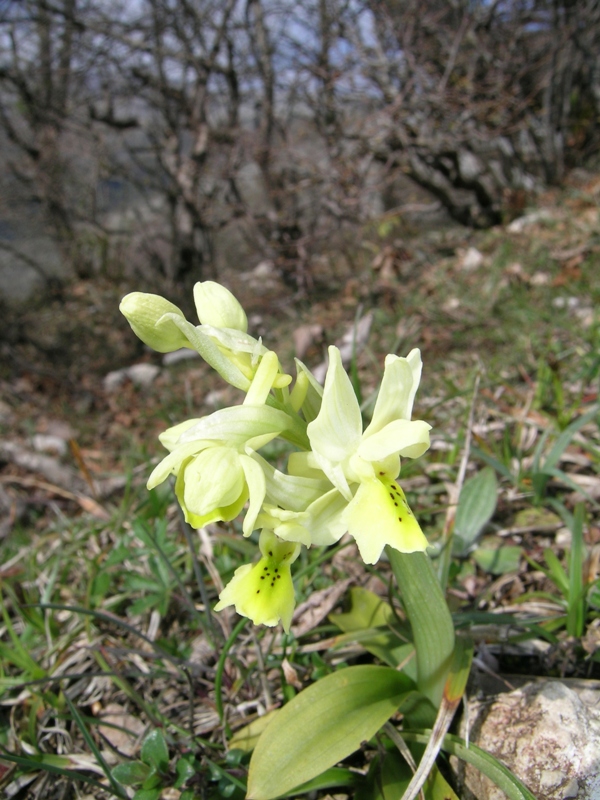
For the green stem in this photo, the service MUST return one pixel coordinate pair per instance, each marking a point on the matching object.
(221, 667)
(429, 617)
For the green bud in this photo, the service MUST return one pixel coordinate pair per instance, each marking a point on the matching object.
(216, 306)
(146, 315)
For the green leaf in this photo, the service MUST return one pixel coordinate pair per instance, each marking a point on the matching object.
(185, 770)
(543, 471)
(331, 778)
(155, 752)
(556, 572)
(369, 622)
(387, 779)
(429, 617)
(476, 505)
(576, 599)
(367, 610)
(148, 794)
(437, 787)
(50, 763)
(500, 560)
(131, 773)
(340, 711)
(247, 737)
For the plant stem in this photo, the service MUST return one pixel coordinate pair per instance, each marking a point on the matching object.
(429, 616)
(221, 667)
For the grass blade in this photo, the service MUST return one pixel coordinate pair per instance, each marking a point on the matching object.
(92, 745)
(576, 593)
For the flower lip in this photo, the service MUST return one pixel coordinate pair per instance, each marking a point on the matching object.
(264, 592)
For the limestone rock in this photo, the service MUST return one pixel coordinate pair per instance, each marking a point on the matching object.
(546, 733)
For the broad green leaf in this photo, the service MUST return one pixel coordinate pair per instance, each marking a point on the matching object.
(429, 617)
(131, 773)
(247, 737)
(476, 504)
(556, 572)
(322, 725)
(367, 610)
(499, 560)
(418, 711)
(154, 751)
(369, 622)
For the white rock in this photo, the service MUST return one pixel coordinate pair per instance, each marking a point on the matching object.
(471, 259)
(547, 734)
(143, 374)
(114, 379)
(45, 443)
(522, 223)
(139, 374)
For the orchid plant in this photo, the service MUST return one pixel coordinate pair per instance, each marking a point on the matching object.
(339, 479)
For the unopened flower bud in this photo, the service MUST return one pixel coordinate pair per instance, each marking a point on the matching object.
(216, 306)
(146, 315)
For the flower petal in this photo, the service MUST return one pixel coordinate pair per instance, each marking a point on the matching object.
(286, 525)
(307, 393)
(325, 519)
(294, 492)
(218, 511)
(170, 437)
(335, 433)
(378, 516)
(213, 479)
(172, 463)
(238, 424)
(199, 340)
(402, 437)
(397, 393)
(257, 487)
(263, 380)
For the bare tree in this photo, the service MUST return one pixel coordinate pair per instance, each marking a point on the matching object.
(38, 42)
(477, 98)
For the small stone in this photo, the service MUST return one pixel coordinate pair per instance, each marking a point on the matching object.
(522, 223)
(46, 443)
(138, 374)
(114, 380)
(142, 374)
(471, 260)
